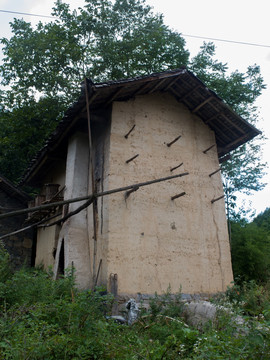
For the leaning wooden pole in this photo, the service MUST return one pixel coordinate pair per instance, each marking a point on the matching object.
(44, 220)
(88, 197)
(92, 172)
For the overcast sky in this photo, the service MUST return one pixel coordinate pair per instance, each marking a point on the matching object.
(235, 20)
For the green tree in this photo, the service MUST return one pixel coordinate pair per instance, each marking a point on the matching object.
(263, 220)
(250, 247)
(245, 170)
(106, 40)
(23, 131)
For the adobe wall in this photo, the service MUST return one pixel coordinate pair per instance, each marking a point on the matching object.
(154, 242)
(47, 238)
(99, 248)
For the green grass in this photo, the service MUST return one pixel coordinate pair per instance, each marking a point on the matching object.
(45, 319)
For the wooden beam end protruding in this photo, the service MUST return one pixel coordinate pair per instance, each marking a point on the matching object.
(219, 198)
(127, 135)
(176, 167)
(172, 142)
(178, 195)
(132, 158)
(210, 147)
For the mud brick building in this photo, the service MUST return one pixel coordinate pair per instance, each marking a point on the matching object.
(126, 132)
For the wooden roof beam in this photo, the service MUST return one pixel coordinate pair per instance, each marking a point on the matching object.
(209, 120)
(241, 139)
(175, 93)
(224, 158)
(114, 96)
(222, 134)
(197, 108)
(232, 123)
(160, 82)
(141, 89)
(189, 92)
(172, 82)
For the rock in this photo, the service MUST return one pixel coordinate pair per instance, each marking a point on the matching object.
(133, 311)
(117, 318)
(198, 313)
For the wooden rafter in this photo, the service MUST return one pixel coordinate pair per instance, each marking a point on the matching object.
(189, 93)
(173, 81)
(114, 96)
(159, 83)
(197, 108)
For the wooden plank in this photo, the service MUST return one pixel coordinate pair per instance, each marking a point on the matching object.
(114, 96)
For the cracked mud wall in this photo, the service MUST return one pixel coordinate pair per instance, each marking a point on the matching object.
(154, 242)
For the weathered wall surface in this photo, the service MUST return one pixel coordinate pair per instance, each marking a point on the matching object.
(19, 246)
(99, 250)
(74, 232)
(47, 238)
(73, 235)
(154, 242)
(46, 246)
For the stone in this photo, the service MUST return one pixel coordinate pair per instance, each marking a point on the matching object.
(198, 313)
(133, 311)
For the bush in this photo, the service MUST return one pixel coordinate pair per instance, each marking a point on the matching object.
(5, 268)
(45, 319)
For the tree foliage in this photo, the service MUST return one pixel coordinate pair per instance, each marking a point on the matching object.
(23, 131)
(105, 40)
(250, 247)
(245, 170)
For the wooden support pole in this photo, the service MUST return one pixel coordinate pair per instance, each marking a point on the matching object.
(172, 142)
(214, 172)
(114, 291)
(210, 147)
(133, 158)
(214, 200)
(176, 167)
(42, 207)
(89, 197)
(30, 226)
(99, 266)
(178, 195)
(93, 184)
(3, 209)
(135, 188)
(127, 135)
(72, 213)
